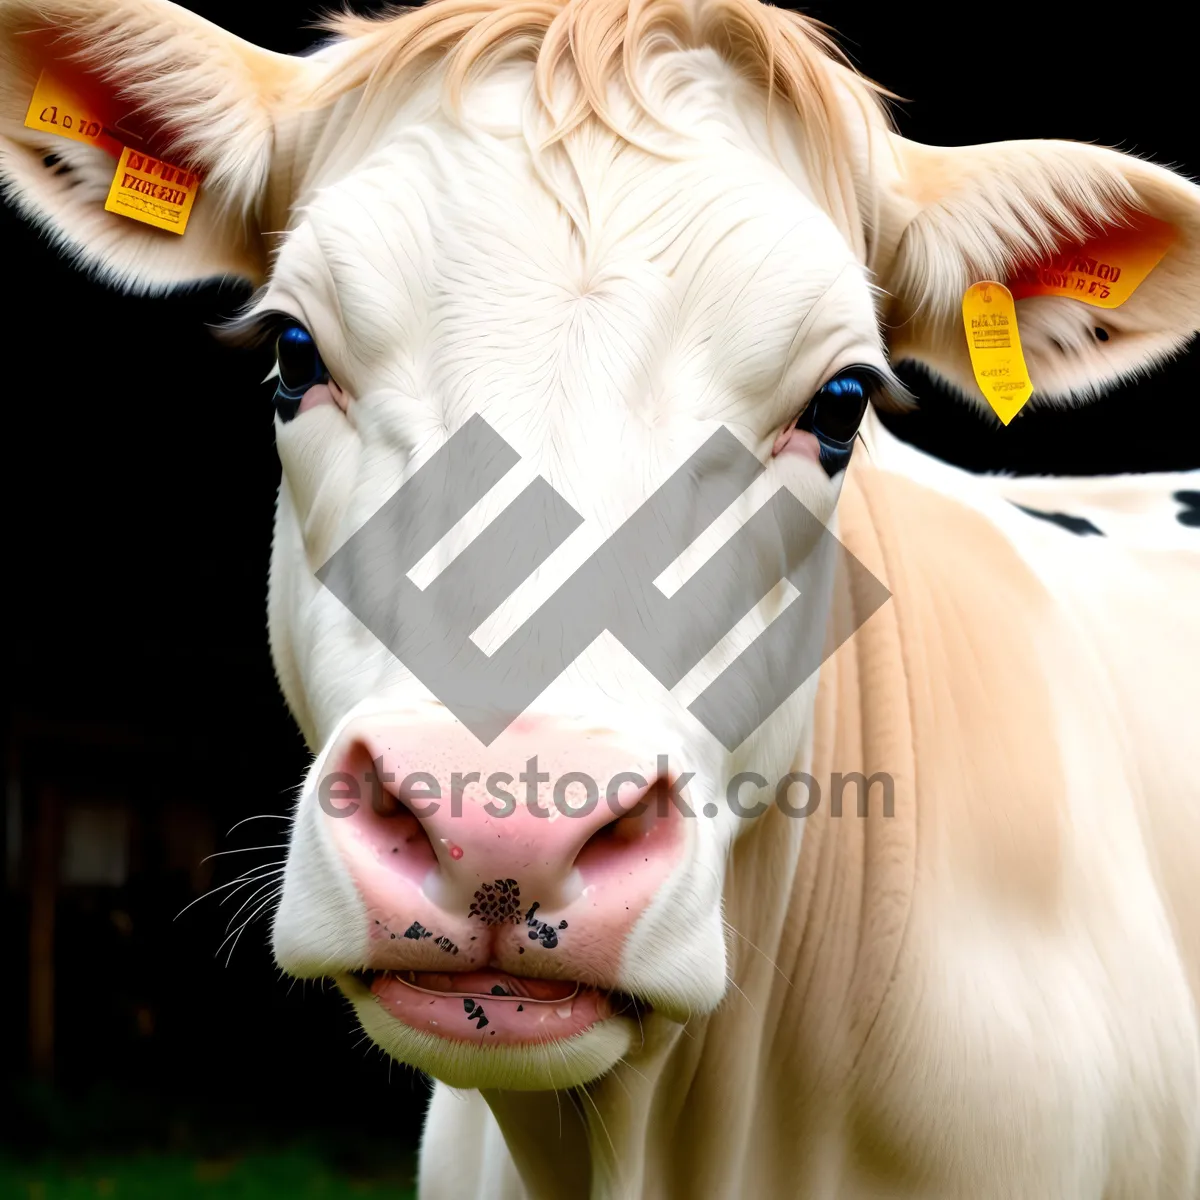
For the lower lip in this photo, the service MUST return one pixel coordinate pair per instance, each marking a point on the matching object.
(489, 1007)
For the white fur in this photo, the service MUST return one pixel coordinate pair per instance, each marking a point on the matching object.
(609, 250)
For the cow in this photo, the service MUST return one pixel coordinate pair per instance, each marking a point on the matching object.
(603, 237)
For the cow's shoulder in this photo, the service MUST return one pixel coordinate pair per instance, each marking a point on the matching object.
(1051, 677)
(1042, 828)
(1109, 568)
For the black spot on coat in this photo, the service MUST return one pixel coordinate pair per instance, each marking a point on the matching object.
(1189, 514)
(1077, 525)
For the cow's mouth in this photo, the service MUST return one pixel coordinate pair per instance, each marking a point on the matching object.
(493, 1007)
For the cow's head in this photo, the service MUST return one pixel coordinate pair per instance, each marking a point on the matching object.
(585, 247)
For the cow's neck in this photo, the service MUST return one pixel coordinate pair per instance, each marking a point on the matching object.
(734, 1099)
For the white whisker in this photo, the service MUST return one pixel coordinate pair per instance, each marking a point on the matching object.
(738, 933)
(248, 901)
(729, 980)
(269, 871)
(260, 817)
(583, 1092)
(634, 1069)
(245, 924)
(243, 850)
(246, 877)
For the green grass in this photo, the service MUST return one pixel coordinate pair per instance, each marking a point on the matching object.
(294, 1174)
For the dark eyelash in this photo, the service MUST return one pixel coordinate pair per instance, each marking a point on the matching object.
(255, 329)
(871, 377)
(888, 392)
(873, 381)
(882, 388)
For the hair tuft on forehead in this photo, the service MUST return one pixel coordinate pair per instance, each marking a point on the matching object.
(583, 47)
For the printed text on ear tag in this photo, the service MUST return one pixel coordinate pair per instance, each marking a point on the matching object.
(990, 321)
(150, 190)
(144, 188)
(1105, 270)
(64, 108)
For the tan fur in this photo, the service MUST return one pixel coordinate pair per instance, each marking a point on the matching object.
(853, 1059)
(591, 43)
(990, 993)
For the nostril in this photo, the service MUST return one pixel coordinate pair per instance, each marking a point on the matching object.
(402, 837)
(642, 825)
(383, 820)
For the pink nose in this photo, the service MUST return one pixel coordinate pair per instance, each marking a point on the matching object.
(480, 853)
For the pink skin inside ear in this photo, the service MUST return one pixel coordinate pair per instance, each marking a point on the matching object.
(324, 393)
(791, 441)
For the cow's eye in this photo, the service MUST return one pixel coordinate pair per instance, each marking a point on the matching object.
(834, 414)
(837, 409)
(300, 368)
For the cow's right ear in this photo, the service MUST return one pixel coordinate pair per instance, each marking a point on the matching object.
(164, 82)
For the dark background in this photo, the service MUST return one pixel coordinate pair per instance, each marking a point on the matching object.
(135, 642)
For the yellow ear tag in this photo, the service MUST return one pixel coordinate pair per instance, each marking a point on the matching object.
(60, 108)
(150, 190)
(144, 188)
(990, 321)
(1106, 269)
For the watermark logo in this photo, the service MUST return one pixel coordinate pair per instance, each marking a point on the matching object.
(577, 794)
(429, 629)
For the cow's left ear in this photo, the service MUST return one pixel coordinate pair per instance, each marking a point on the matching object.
(1040, 217)
(156, 78)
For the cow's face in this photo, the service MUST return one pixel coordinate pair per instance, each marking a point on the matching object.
(507, 903)
(444, 280)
